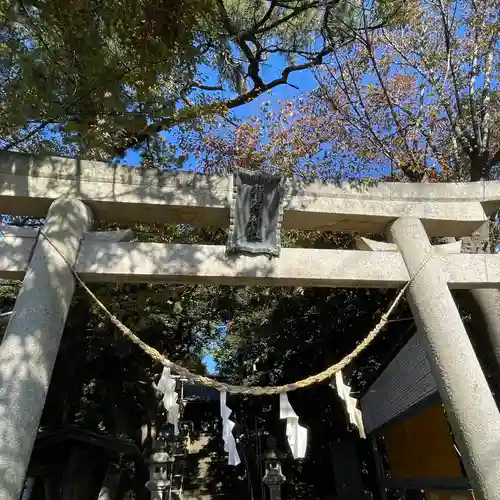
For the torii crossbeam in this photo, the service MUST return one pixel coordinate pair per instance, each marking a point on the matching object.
(70, 194)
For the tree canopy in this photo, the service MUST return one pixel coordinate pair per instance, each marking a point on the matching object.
(96, 78)
(422, 96)
(417, 99)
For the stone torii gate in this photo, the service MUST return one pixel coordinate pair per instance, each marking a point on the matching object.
(70, 194)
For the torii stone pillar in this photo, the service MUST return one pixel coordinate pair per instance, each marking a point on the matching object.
(469, 404)
(29, 348)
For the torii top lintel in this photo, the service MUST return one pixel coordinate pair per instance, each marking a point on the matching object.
(118, 193)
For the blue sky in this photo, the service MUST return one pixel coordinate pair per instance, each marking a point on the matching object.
(208, 359)
(303, 80)
(209, 362)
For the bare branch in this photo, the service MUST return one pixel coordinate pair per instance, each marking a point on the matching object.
(366, 123)
(202, 86)
(386, 93)
(29, 135)
(266, 16)
(448, 44)
(256, 91)
(461, 134)
(486, 95)
(472, 84)
(293, 14)
(166, 123)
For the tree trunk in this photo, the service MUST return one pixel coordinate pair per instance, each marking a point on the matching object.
(48, 488)
(77, 478)
(110, 484)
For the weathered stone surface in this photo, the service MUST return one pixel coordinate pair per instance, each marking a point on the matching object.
(117, 262)
(28, 186)
(29, 347)
(382, 246)
(470, 407)
(157, 262)
(8, 231)
(147, 262)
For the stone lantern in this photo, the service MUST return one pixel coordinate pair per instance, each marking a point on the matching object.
(273, 477)
(158, 464)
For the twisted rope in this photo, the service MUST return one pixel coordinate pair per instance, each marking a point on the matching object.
(326, 374)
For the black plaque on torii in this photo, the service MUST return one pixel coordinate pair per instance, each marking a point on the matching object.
(256, 212)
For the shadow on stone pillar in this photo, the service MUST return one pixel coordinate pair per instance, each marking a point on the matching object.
(29, 347)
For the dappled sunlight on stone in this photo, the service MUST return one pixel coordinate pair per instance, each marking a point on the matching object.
(64, 249)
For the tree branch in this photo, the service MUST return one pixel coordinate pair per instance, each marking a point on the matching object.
(134, 140)
(365, 119)
(447, 38)
(472, 87)
(253, 59)
(256, 91)
(29, 135)
(386, 93)
(286, 18)
(266, 16)
(461, 135)
(201, 86)
(486, 94)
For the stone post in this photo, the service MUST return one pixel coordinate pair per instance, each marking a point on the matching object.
(158, 463)
(29, 348)
(469, 404)
(273, 477)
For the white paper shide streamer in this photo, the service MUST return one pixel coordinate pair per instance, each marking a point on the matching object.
(353, 412)
(227, 432)
(166, 385)
(295, 433)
